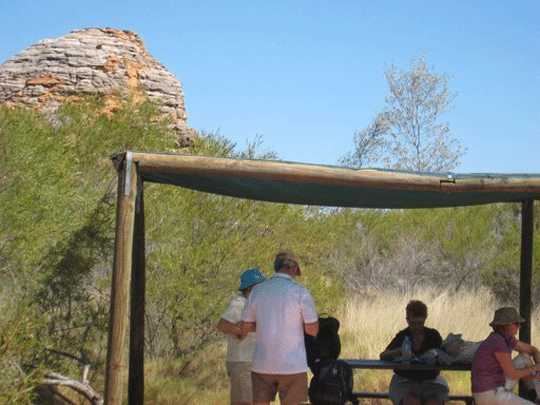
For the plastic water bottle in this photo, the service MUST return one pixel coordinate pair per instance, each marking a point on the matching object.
(406, 348)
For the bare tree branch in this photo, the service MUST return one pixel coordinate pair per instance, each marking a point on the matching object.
(84, 389)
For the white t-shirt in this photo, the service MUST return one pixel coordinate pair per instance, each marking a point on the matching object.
(238, 350)
(280, 307)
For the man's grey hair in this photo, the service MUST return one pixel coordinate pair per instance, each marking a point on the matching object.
(284, 259)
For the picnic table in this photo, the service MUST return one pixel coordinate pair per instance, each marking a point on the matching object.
(388, 365)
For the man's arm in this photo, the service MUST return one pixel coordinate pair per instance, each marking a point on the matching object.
(311, 328)
(230, 328)
(390, 354)
(248, 327)
(393, 349)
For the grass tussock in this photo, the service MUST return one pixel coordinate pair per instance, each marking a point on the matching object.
(199, 380)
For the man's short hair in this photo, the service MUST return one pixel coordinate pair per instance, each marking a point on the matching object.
(285, 259)
(416, 308)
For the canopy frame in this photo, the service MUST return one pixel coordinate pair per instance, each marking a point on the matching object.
(252, 179)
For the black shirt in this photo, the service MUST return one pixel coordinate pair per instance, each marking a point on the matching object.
(432, 340)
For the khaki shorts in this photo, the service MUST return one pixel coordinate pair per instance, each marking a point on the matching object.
(399, 386)
(499, 396)
(292, 388)
(240, 376)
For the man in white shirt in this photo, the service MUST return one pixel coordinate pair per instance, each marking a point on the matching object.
(240, 345)
(281, 310)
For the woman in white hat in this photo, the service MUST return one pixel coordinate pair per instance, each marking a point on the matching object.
(492, 362)
(240, 346)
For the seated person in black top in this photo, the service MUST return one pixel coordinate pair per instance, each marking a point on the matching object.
(416, 387)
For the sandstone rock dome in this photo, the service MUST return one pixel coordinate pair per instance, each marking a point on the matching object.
(91, 61)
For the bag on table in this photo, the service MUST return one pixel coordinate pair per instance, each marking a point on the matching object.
(462, 351)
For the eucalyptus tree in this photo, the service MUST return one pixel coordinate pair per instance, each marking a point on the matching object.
(409, 133)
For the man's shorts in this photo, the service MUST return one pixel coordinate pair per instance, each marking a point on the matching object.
(400, 386)
(240, 376)
(292, 388)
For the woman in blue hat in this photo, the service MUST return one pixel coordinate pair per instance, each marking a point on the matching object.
(240, 346)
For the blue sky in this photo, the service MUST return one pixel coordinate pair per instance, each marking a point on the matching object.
(305, 75)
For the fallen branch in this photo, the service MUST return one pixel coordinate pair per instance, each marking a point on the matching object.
(55, 379)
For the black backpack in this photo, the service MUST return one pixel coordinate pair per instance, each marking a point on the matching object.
(332, 384)
(326, 345)
(332, 381)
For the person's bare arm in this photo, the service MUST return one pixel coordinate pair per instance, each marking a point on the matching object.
(505, 360)
(248, 327)
(230, 328)
(523, 347)
(311, 328)
(390, 354)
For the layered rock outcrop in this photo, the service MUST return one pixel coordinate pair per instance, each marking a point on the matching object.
(92, 61)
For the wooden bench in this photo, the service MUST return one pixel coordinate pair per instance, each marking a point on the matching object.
(378, 365)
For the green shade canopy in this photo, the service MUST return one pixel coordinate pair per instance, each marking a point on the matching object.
(297, 183)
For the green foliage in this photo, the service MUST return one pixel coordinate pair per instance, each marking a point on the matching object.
(57, 190)
(19, 349)
(58, 193)
(463, 247)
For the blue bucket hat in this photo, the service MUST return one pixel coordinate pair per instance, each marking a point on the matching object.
(250, 277)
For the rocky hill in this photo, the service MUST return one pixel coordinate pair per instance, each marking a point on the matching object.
(92, 61)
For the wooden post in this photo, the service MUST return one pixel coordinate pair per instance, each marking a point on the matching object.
(525, 276)
(138, 291)
(116, 366)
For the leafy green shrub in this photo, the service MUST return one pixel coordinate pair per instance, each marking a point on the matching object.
(58, 198)
(19, 349)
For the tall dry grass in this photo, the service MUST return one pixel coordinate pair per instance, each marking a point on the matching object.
(369, 323)
(367, 326)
